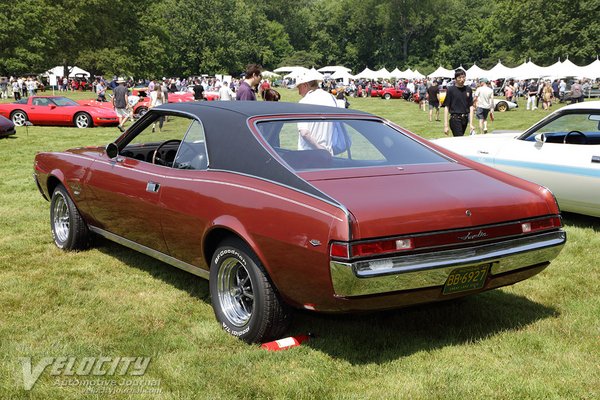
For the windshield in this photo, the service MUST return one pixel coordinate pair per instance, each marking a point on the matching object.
(331, 144)
(63, 101)
(577, 127)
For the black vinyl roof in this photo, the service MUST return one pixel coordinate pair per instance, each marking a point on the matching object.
(233, 147)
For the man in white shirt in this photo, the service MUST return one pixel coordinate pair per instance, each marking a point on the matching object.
(225, 94)
(314, 135)
(484, 95)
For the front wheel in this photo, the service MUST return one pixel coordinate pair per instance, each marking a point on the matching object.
(69, 230)
(83, 120)
(244, 300)
(387, 96)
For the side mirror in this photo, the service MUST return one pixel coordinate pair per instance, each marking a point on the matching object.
(112, 151)
(540, 138)
(52, 106)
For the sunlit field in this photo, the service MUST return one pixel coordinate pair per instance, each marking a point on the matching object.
(538, 339)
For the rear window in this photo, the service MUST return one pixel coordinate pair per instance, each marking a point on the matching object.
(331, 144)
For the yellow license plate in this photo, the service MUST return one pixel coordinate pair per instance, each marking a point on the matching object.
(467, 278)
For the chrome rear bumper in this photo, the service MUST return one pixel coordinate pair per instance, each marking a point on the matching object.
(425, 270)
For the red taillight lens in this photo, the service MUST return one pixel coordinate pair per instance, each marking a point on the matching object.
(339, 250)
(381, 247)
(540, 225)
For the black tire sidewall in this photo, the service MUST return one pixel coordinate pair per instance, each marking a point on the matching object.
(255, 326)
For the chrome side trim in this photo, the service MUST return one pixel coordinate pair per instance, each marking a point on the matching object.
(152, 253)
(419, 271)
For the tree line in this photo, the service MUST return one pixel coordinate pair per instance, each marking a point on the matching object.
(155, 38)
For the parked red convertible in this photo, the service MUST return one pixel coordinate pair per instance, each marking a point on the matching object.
(391, 93)
(57, 110)
(375, 218)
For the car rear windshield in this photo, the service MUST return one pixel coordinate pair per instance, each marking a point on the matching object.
(330, 144)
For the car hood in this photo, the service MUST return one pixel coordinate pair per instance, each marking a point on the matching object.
(406, 203)
(477, 146)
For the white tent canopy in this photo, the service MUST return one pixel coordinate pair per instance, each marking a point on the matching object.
(442, 72)
(383, 73)
(334, 68)
(58, 71)
(408, 74)
(500, 71)
(417, 74)
(528, 70)
(340, 74)
(592, 70)
(269, 74)
(396, 73)
(366, 74)
(294, 73)
(289, 69)
(475, 72)
(566, 68)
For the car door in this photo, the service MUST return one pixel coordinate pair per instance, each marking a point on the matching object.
(127, 189)
(186, 198)
(571, 171)
(40, 112)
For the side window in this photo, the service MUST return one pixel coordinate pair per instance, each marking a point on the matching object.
(40, 102)
(192, 151)
(159, 140)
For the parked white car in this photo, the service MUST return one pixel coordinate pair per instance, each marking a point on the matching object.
(502, 105)
(561, 152)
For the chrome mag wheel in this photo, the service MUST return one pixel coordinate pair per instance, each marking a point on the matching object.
(61, 220)
(235, 291)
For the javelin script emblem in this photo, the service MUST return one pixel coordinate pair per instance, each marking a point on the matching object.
(471, 236)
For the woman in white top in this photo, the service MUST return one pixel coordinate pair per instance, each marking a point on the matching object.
(157, 98)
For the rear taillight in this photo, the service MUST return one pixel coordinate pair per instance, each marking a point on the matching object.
(381, 247)
(541, 224)
(339, 250)
(374, 248)
(442, 240)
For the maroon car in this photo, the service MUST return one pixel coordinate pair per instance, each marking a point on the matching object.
(371, 217)
(7, 127)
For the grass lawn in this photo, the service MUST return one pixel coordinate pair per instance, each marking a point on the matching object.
(538, 339)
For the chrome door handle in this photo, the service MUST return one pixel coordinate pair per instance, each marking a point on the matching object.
(596, 159)
(152, 187)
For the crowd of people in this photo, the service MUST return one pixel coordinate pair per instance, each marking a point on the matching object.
(463, 100)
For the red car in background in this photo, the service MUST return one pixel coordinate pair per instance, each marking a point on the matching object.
(391, 93)
(57, 110)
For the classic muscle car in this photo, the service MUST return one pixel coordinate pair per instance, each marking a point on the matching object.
(57, 110)
(228, 191)
(561, 152)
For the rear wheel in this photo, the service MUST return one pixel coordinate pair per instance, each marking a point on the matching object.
(139, 112)
(502, 106)
(19, 117)
(83, 120)
(387, 96)
(69, 230)
(244, 300)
